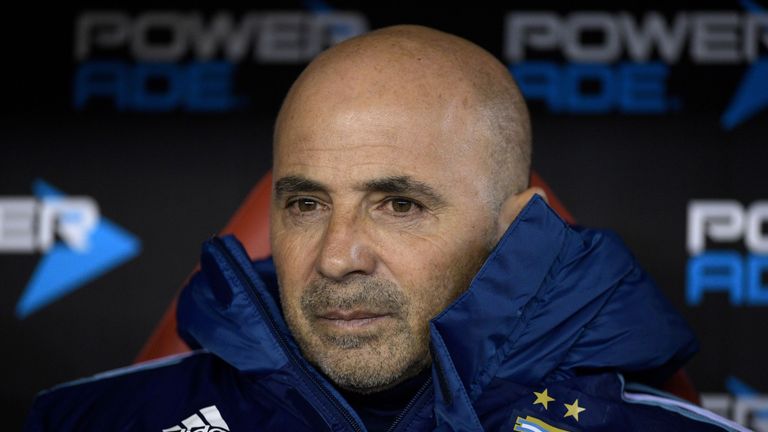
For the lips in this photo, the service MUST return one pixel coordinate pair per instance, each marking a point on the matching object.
(351, 318)
(350, 315)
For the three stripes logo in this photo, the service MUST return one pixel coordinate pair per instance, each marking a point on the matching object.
(207, 419)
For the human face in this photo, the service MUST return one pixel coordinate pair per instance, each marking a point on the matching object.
(380, 218)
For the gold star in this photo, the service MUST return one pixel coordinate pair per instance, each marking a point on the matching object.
(573, 410)
(543, 398)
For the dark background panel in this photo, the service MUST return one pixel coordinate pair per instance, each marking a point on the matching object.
(172, 179)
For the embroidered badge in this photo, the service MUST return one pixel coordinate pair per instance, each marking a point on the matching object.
(532, 424)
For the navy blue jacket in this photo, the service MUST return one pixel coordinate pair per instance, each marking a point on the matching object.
(551, 325)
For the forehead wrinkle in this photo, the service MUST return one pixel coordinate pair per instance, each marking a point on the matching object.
(345, 148)
(312, 165)
(337, 166)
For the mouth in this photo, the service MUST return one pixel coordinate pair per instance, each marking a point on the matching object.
(351, 319)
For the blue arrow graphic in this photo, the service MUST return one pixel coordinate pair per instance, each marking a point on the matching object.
(750, 98)
(752, 95)
(63, 270)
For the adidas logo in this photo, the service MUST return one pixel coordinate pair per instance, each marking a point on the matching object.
(207, 419)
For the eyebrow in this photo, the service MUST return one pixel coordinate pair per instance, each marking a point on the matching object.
(404, 185)
(293, 184)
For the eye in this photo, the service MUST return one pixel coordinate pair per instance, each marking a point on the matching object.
(401, 205)
(303, 206)
(306, 205)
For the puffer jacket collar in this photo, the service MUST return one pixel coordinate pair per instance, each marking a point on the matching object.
(549, 302)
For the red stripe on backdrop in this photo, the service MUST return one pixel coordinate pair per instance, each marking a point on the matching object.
(552, 199)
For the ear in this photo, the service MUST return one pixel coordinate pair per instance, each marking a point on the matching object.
(513, 205)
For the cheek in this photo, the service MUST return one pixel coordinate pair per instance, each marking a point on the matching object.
(293, 257)
(434, 273)
(424, 270)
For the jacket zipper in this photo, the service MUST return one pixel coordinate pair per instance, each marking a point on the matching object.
(415, 400)
(280, 337)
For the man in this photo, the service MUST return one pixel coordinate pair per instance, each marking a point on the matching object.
(418, 282)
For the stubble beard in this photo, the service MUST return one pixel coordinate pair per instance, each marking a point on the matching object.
(373, 361)
(360, 361)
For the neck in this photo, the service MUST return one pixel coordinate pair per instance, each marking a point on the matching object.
(379, 409)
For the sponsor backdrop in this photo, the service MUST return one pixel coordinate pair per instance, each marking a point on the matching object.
(130, 135)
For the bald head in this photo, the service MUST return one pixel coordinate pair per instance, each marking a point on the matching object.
(426, 70)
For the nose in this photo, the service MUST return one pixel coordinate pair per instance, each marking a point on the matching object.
(346, 249)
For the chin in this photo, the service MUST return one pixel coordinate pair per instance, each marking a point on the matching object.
(369, 369)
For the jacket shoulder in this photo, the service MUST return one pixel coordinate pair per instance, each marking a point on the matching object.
(133, 397)
(599, 401)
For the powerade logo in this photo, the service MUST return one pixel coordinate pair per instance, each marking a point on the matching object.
(163, 61)
(620, 62)
(77, 243)
(743, 277)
